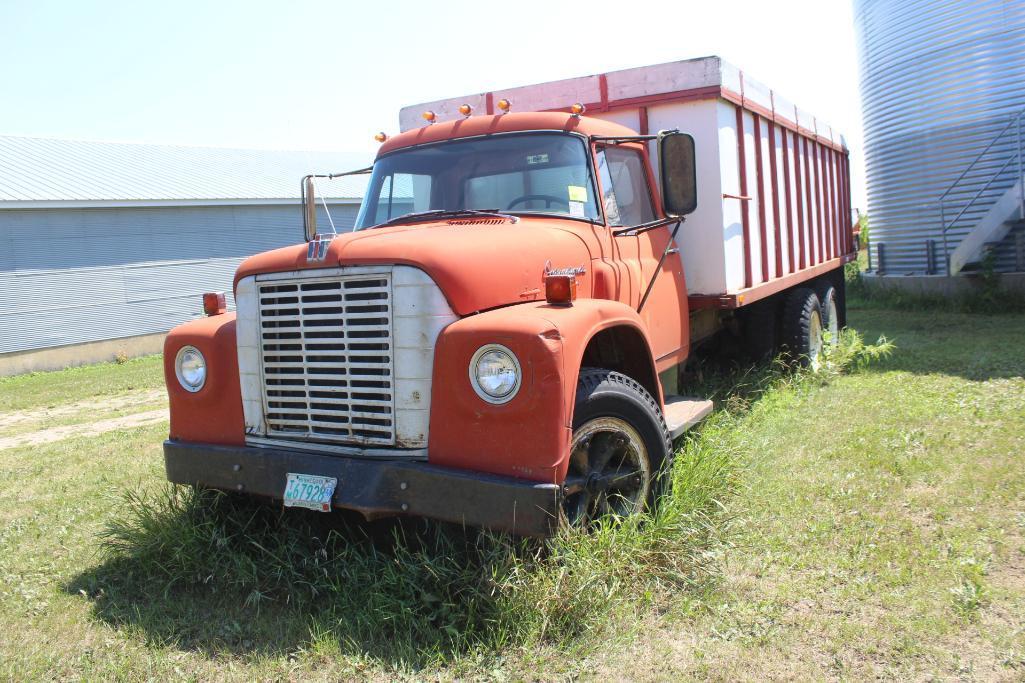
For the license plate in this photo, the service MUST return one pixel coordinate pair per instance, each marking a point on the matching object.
(309, 491)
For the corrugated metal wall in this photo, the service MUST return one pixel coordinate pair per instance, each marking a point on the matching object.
(940, 79)
(76, 275)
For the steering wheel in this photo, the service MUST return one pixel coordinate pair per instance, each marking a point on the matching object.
(548, 199)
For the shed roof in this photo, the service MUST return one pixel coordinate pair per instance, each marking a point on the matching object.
(45, 171)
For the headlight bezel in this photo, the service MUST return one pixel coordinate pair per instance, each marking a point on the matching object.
(475, 381)
(180, 372)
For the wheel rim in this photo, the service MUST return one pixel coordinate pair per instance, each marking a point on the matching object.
(815, 340)
(609, 472)
(834, 325)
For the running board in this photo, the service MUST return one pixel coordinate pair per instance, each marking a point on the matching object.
(682, 413)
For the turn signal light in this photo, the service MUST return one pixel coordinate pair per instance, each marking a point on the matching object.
(465, 109)
(430, 116)
(505, 105)
(560, 290)
(381, 137)
(214, 303)
(577, 109)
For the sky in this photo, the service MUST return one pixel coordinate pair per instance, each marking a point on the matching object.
(326, 76)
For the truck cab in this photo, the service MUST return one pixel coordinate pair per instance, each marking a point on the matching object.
(492, 345)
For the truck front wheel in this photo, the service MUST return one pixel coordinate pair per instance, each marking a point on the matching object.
(619, 448)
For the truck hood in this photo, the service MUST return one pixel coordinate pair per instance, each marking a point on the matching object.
(477, 266)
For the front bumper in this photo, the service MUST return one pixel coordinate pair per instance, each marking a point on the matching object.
(375, 488)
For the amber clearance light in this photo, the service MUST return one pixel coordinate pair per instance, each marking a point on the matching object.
(465, 109)
(577, 109)
(429, 116)
(214, 303)
(560, 290)
(381, 137)
(505, 105)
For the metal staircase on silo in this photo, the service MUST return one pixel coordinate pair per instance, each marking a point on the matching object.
(987, 201)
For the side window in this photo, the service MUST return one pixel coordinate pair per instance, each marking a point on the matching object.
(624, 187)
(402, 193)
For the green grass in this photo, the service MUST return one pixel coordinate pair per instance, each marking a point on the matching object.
(881, 531)
(841, 525)
(46, 389)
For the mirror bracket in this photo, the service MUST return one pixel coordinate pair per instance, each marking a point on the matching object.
(670, 248)
(308, 198)
(643, 227)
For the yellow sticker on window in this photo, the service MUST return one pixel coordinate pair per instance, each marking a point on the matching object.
(577, 193)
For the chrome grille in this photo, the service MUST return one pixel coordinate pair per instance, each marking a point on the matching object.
(326, 357)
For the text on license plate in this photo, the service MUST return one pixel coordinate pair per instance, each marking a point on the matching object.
(309, 491)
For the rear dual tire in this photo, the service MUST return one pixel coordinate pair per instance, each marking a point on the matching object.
(830, 308)
(802, 328)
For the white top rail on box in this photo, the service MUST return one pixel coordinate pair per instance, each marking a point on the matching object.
(629, 88)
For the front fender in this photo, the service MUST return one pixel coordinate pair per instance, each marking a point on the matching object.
(214, 413)
(529, 436)
(579, 323)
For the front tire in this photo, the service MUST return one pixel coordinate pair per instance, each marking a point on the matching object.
(618, 452)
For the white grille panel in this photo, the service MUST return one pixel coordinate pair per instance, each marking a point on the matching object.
(326, 354)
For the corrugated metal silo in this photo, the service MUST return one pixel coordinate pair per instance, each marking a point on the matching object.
(942, 82)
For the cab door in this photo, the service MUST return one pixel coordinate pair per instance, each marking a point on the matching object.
(628, 200)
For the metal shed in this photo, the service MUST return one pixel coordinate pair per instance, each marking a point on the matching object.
(106, 246)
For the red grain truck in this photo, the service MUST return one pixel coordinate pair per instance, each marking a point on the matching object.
(500, 340)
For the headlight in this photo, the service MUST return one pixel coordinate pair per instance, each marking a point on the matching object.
(190, 366)
(495, 373)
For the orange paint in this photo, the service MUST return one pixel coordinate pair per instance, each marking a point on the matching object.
(214, 413)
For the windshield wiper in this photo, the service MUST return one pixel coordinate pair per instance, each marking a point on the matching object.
(447, 213)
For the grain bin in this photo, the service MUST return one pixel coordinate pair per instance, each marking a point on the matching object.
(943, 88)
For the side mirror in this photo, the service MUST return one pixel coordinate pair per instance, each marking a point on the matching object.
(678, 173)
(309, 200)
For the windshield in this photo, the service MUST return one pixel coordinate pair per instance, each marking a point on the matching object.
(518, 173)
